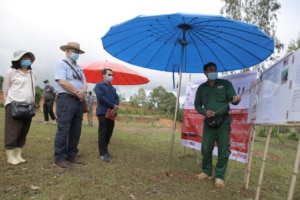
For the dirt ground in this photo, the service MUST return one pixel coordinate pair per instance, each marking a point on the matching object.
(160, 121)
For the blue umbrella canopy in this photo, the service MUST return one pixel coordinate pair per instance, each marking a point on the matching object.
(185, 42)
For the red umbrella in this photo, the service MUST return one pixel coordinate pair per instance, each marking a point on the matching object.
(122, 75)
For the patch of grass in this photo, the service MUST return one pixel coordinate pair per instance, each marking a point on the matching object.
(138, 168)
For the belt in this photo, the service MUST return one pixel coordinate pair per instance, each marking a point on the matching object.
(68, 95)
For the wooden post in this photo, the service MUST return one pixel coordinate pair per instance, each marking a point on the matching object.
(263, 164)
(248, 166)
(183, 152)
(295, 173)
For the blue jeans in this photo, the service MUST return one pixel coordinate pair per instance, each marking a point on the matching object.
(69, 112)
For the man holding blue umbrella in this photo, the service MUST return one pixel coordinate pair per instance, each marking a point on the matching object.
(212, 100)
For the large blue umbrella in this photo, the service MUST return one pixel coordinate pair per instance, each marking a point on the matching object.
(161, 42)
(185, 42)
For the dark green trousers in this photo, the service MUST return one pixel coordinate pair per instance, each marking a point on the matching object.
(220, 135)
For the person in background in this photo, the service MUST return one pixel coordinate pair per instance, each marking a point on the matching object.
(18, 85)
(213, 98)
(107, 98)
(90, 103)
(49, 94)
(71, 88)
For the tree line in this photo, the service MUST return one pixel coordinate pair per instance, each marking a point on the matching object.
(159, 100)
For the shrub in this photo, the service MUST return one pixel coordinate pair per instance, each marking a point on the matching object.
(293, 136)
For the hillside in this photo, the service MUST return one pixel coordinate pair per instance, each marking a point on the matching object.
(158, 121)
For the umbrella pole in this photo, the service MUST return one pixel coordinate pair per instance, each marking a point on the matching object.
(174, 124)
(176, 108)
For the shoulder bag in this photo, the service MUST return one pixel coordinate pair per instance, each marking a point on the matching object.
(22, 110)
(216, 121)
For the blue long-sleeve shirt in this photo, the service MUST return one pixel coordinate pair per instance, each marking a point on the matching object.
(107, 97)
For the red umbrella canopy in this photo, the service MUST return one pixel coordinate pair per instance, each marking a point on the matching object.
(122, 75)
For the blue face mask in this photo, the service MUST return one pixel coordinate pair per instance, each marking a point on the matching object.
(109, 78)
(75, 56)
(46, 84)
(25, 63)
(212, 76)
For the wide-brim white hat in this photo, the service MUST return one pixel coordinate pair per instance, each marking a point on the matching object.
(72, 45)
(20, 53)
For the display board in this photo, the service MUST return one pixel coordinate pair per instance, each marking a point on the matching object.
(275, 95)
(241, 83)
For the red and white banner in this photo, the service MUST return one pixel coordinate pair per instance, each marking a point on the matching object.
(191, 133)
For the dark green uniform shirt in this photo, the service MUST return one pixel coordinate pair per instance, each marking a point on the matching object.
(215, 98)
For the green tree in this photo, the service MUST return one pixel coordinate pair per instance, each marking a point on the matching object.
(294, 45)
(1, 82)
(133, 100)
(163, 101)
(142, 97)
(139, 99)
(38, 95)
(262, 13)
(156, 97)
(168, 103)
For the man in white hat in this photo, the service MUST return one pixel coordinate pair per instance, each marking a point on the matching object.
(71, 88)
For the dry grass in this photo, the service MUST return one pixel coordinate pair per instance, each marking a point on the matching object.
(138, 168)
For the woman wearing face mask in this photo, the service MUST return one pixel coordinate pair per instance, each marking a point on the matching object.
(18, 85)
(212, 99)
(107, 98)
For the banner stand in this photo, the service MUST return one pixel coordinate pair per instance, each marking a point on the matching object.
(295, 173)
(248, 165)
(263, 164)
(296, 165)
(194, 151)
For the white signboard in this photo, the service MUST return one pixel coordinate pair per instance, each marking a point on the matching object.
(275, 96)
(241, 83)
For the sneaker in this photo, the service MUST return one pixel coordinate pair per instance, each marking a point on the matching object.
(54, 122)
(203, 176)
(219, 183)
(45, 122)
(105, 157)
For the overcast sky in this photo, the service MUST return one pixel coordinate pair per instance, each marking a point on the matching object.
(42, 26)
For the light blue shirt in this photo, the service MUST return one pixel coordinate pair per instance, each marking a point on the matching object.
(64, 72)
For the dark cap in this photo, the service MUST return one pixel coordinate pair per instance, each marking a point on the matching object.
(46, 81)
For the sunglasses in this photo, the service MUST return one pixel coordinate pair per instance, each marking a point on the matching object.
(110, 75)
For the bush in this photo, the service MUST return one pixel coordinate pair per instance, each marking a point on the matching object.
(261, 131)
(293, 136)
